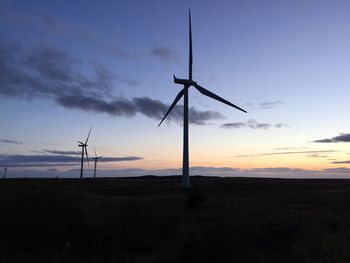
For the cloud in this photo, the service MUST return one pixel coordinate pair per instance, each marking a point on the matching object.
(281, 125)
(342, 162)
(260, 103)
(317, 155)
(343, 137)
(47, 72)
(253, 124)
(63, 152)
(37, 165)
(18, 160)
(284, 153)
(154, 109)
(10, 141)
(269, 104)
(233, 125)
(288, 148)
(163, 53)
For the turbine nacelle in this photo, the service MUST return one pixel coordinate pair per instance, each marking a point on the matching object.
(186, 82)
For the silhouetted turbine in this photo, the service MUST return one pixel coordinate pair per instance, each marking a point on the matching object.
(84, 149)
(96, 158)
(5, 172)
(184, 92)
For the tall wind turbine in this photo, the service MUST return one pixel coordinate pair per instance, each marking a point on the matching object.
(95, 159)
(5, 172)
(84, 150)
(184, 92)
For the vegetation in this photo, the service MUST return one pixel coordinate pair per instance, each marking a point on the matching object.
(153, 219)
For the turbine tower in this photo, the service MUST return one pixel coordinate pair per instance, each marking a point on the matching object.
(187, 83)
(84, 149)
(95, 159)
(5, 172)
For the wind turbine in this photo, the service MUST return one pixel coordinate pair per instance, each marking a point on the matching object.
(84, 149)
(5, 172)
(95, 159)
(187, 83)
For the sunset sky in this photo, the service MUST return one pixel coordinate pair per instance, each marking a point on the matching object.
(68, 66)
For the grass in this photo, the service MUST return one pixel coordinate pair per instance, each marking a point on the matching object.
(149, 219)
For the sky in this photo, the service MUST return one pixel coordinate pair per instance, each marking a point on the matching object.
(109, 65)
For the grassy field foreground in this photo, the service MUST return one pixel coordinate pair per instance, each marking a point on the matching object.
(152, 219)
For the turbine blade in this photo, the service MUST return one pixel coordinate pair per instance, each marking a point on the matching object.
(190, 60)
(88, 136)
(178, 97)
(216, 97)
(95, 152)
(87, 156)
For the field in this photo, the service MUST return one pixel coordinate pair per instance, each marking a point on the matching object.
(152, 219)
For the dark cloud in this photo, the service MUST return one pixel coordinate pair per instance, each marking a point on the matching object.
(233, 125)
(18, 160)
(37, 165)
(10, 141)
(163, 53)
(253, 124)
(343, 137)
(63, 152)
(154, 109)
(283, 153)
(47, 72)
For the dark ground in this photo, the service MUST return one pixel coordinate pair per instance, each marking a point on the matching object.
(152, 219)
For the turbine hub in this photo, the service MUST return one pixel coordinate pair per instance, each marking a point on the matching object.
(193, 83)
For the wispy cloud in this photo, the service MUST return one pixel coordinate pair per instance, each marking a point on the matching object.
(317, 155)
(281, 125)
(163, 53)
(289, 148)
(253, 124)
(260, 103)
(270, 104)
(343, 137)
(10, 141)
(341, 162)
(286, 153)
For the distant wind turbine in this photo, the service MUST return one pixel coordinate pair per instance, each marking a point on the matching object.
(95, 159)
(184, 92)
(84, 150)
(5, 172)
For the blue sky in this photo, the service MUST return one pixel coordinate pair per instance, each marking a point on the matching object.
(285, 62)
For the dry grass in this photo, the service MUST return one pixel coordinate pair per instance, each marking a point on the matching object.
(149, 220)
